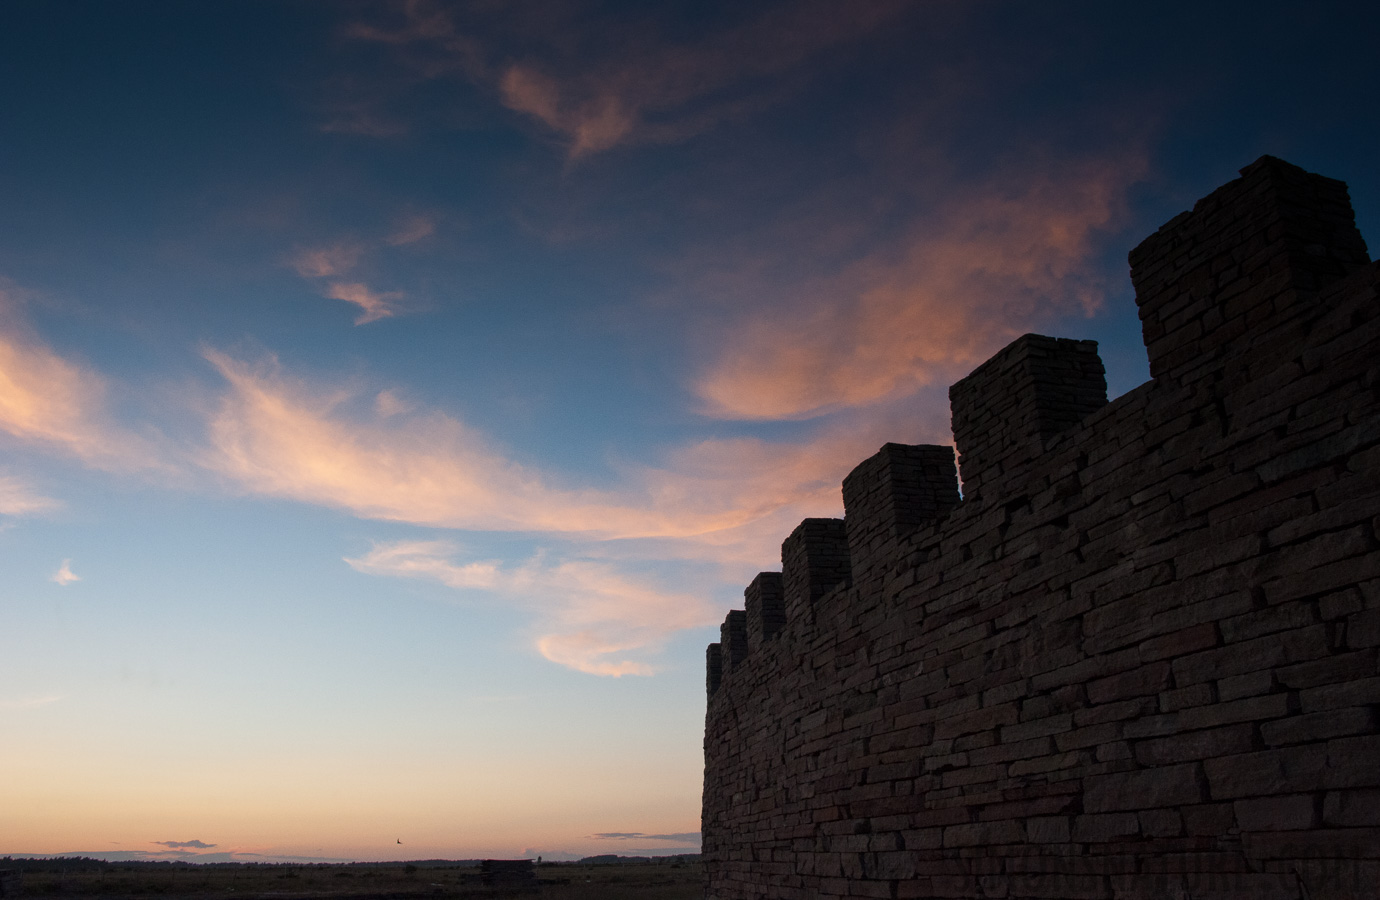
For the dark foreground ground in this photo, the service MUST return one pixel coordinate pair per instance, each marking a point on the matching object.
(563, 881)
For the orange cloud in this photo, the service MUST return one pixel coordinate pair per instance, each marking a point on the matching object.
(649, 90)
(715, 511)
(596, 121)
(338, 259)
(592, 617)
(48, 400)
(388, 404)
(381, 459)
(283, 438)
(18, 499)
(961, 283)
(375, 305)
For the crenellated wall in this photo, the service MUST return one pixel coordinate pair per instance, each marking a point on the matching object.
(1138, 659)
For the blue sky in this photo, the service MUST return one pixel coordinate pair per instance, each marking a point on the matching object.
(394, 396)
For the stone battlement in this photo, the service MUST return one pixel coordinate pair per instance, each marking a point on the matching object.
(1138, 658)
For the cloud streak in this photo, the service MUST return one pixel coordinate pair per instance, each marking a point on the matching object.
(721, 505)
(595, 91)
(332, 262)
(278, 436)
(19, 499)
(974, 273)
(679, 837)
(592, 618)
(30, 702)
(326, 262)
(373, 305)
(50, 401)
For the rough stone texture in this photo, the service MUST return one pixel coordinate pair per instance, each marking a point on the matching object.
(733, 641)
(713, 668)
(1141, 658)
(1012, 404)
(814, 560)
(895, 492)
(765, 602)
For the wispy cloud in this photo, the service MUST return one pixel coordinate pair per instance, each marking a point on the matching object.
(184, 845)
(374, 305)
(332, 262)
(193, 855)
(596, 92)
(592, 617)
(679, 837)
(64, 575)
(410, 230)
(30, 702)
(279, 436)
(19, 499)
(326, 262)
(979, 269)
(720, 506)
(48, 400)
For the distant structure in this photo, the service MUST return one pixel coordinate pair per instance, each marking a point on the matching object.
(1138, 658)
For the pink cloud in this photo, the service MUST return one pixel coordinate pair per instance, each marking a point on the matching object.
(64, 575)
(278, 436)
(597, 121)
(714, 511)
(927, 307)
(375, 305)
(649, 90)
(590, 614)
(724, 501)
(326, 262)
(590, 617)
(335, 260)
(48, 400)
(19, 499)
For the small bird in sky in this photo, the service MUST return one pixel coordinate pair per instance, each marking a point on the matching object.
(399, 840)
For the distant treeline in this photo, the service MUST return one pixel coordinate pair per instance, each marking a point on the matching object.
(65, 863)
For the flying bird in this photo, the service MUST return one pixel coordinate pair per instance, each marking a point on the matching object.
(399, 840)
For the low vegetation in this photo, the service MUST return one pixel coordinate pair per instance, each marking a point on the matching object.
(85, 878)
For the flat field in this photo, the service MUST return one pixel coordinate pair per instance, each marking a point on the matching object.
(560, 881)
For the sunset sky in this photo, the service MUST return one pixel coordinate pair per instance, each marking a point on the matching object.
(394, 396)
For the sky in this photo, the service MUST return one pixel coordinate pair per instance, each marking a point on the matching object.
(394, 396)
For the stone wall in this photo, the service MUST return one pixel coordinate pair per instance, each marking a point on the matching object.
(1139, 658)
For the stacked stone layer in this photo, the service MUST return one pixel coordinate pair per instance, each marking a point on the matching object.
(1140, 660)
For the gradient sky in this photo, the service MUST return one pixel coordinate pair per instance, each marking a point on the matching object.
(395, 396)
